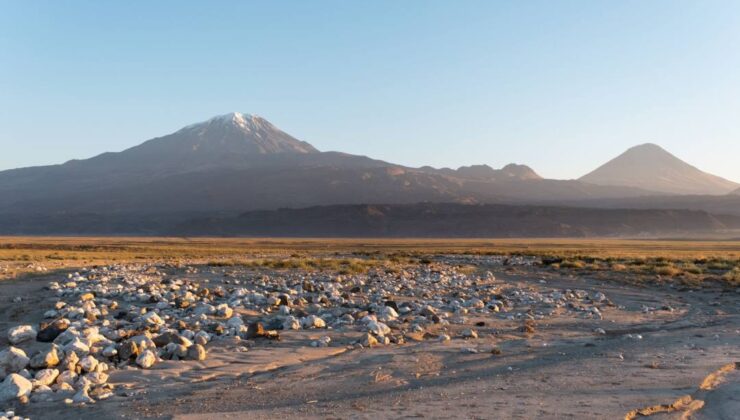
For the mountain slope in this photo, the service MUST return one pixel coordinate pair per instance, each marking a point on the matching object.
(651, 168)
(239, 162)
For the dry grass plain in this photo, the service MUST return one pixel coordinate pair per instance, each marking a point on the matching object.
(691, 260)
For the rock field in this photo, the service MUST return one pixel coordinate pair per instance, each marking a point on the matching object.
(105, 323)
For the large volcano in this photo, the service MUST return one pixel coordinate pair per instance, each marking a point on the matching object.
(652, 168)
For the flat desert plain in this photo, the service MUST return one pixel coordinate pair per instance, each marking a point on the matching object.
(364, 328)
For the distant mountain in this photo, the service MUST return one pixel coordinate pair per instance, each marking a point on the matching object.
(485, 172)
(651, 168)
(239, 162)
(457, 220)
(227, 141)
(736, 192)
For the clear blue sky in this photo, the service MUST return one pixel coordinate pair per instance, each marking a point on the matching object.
(559, 85)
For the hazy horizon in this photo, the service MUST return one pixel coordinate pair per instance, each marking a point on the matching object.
(560, 87)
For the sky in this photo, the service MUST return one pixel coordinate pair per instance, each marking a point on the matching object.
(562, 86)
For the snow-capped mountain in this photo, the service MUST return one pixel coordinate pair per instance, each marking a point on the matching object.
(240, 162)
(235, 133)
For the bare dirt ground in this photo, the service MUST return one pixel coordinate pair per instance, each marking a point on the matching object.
(673, 363)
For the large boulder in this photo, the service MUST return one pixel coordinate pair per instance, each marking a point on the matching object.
(46, 358)
(15, 386)
(13, 360)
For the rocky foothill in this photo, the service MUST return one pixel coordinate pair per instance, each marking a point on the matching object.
(135, 316)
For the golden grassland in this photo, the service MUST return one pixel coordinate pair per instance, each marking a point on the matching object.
(654, 257)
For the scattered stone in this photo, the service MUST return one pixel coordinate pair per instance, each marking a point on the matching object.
(82, 397)
(146, 359)
(49, 332)
(312, 321)
(196, 352)
(88, 363)
(130, 316)
(21, 333)
(152, 318)
(469, 333)
(378, 328)
(255, 329)
(321, 342)
(369, 340)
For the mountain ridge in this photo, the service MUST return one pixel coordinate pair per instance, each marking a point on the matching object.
(237, 163)
(243, 162)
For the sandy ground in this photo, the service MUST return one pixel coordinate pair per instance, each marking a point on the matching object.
(563, 370)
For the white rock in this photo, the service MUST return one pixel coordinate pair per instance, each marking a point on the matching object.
(97, 378)
(322, 342)
(143, 342)
(15, 386)
(378, 328)
(13, 360)
(291, 323)
(21, 333)
(77, 346)
(312, 321)
(153, 318)
(46, 376)
(146, 359)
(387, 314)
(88, 363)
